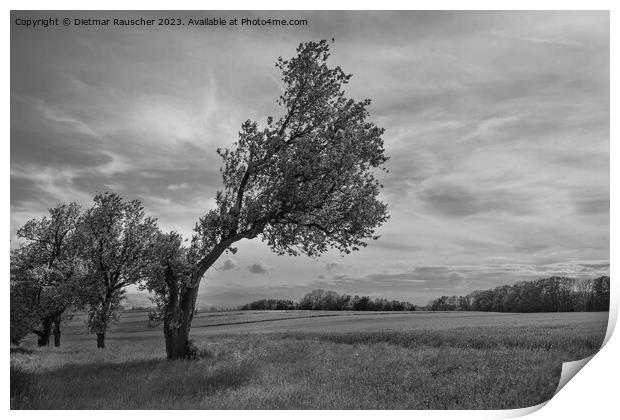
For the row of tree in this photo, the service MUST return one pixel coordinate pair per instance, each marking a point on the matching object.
(554, 294)
(304, 181)
(330, 301)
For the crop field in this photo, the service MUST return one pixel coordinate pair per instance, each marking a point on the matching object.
(311, 360)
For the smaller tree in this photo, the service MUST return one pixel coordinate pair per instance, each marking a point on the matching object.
(23, 304)
(116, 237)
(46, 269)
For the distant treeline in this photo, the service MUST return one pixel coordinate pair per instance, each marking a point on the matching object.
(554, 294)
(330, 301)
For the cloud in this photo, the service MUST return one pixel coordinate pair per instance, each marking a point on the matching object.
(333, 266)
(552, 41)
(593, 206)
(454, 200)
(181, 186)
(258, 268)
(421, 277)
(228, 264)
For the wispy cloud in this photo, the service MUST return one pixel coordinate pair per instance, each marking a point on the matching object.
(552, 41)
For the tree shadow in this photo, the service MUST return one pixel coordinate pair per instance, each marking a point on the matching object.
(143, 384)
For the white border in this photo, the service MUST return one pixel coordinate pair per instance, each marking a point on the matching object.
(592, 394)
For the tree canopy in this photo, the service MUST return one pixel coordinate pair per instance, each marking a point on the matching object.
(305, 181)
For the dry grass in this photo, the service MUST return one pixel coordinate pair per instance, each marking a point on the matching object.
(460, 368)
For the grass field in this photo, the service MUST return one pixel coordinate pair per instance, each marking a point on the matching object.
(312, 360)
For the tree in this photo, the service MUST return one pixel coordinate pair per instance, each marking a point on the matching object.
(567, 295)
(45, 270)
(601, 293)
(463, 303)
(304, 182)
(116, 239)
(343, 302)
(312, 300)
(23, 298)
(584, 292)
(499, 298)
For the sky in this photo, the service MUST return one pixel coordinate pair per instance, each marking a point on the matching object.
(497, 125)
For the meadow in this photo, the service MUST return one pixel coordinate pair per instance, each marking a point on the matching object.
(311, 360)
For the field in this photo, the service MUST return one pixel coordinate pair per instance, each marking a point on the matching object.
(312, 360)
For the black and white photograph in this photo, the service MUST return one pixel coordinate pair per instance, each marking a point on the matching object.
(306, 210)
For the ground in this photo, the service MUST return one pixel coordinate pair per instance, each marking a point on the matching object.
(311, 360)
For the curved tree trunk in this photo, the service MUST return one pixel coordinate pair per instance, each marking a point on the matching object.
(180, 311)
(177, 327)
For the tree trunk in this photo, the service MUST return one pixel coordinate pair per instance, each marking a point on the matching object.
(103, 317)
(180, 311)
(57, 332)
(176, 329)
(43, 336)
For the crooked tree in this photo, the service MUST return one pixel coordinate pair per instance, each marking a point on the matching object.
(304, 183)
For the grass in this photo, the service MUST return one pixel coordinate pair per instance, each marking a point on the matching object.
(479, 367)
